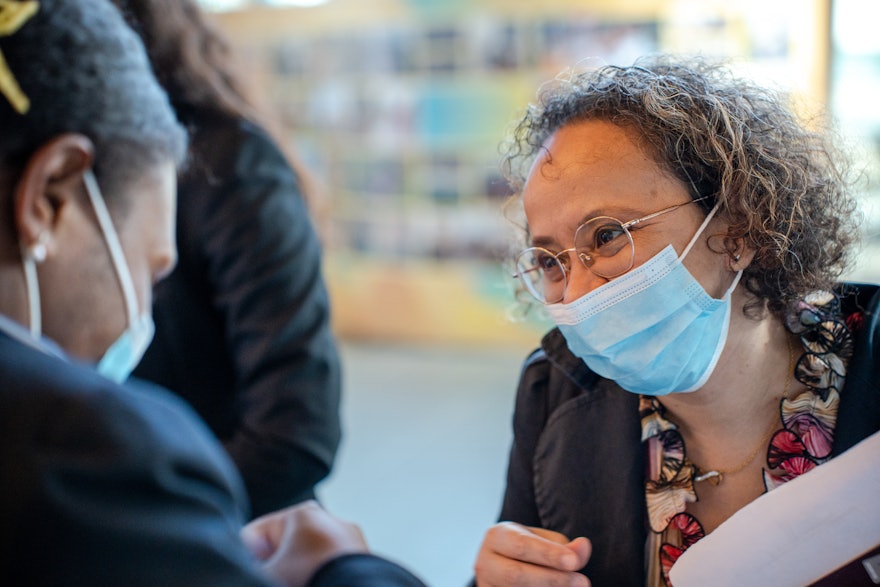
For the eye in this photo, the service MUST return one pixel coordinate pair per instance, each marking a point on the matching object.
(546, 261)
(549, 265)
(606, 235)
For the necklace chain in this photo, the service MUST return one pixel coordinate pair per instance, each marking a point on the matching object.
(716, 476)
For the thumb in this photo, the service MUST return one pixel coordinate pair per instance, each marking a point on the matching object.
(258, 544)
(583, 548)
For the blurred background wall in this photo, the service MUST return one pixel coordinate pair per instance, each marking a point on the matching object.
(397, 107)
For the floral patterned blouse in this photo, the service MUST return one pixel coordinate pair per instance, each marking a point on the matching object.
(803, 442)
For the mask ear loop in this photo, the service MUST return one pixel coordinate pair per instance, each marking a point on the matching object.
(691, 244)
(30, 256)
(700, 230)
(116, 253)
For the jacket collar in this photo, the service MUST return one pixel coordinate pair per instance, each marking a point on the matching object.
(556, 350)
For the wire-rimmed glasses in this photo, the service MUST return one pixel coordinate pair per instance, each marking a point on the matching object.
(603, 245)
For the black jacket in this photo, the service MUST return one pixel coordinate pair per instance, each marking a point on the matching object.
(577, 466)
(102, 484)
(243, 323)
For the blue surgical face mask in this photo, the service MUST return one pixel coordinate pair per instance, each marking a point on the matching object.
(120, 359)
(653, 330)
(123, 355)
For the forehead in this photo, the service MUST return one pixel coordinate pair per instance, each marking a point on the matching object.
(155, 181)
(593, 166)
(150, 198)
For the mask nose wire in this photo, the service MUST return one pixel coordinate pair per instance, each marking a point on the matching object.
(111, 237)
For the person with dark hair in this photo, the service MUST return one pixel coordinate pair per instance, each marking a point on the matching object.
(106, 482)
(686, 233)
(243, 322)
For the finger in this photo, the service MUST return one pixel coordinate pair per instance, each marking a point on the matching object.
(504, 572)
(524, 544)
(549, 534)
(582, 548)
(309, 505)
(260, 548)
(263, 535)
(256, 542)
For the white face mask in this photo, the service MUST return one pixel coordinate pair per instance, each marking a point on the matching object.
(120, 359)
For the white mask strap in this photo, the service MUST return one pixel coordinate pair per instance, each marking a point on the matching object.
(33, 293)
(733, 285)
(700, 230)
(113, 244)
(690, 245)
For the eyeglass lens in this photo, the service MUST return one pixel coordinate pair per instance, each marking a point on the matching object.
(602, 244)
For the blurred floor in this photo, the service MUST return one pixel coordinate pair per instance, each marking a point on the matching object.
(422, 464)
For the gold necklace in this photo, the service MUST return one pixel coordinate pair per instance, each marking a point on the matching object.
(716, 476)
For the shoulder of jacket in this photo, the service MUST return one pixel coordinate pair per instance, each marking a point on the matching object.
(537, 356)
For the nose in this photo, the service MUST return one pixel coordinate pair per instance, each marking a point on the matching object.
(163, 262)
(581, 281)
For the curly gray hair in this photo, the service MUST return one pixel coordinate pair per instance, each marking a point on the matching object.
(783, 188)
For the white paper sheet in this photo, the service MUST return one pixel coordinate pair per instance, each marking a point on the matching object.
(797, 533)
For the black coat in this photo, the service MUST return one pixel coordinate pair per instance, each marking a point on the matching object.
(102, 484)
(577, 464)
(243, 322)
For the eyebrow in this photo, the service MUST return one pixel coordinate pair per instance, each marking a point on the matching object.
(623, 214)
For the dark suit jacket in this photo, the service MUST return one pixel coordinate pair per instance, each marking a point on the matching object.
(102, 484)
(243, 322)
(576, 465)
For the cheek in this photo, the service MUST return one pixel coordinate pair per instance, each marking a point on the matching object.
(147, 238)
(712, 272)
(709, 268)
(648, 245)
(143, 284)
(163, 253)
(643, 253)
(137, 247)
(82, 303)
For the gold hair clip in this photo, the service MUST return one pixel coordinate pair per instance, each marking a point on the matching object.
(13, 15)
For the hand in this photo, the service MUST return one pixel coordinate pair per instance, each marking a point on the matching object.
(294, 543)
(513, 555)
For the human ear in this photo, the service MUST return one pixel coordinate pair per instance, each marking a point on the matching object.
(51, 180)
(739, 256)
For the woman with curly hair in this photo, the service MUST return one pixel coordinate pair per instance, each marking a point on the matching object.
(686, 233)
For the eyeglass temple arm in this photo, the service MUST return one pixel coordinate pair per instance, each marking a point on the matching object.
(660, 212)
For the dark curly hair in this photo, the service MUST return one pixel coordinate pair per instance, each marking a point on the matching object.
(783, 188)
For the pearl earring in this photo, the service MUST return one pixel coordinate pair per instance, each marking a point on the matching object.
(37, 251)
